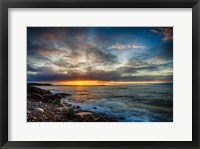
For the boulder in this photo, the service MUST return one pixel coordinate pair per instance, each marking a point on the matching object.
(62, 109)
(70, 112)
(36, 96)
(82, 114)
(38, 110)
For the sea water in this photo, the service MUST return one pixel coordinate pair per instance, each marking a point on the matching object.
(131, 103)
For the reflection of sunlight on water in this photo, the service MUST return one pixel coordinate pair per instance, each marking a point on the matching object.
(82, 93)
(135, 103)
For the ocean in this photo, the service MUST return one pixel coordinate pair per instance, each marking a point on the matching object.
(131, 103)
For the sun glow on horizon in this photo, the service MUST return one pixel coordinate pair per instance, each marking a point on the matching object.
(98, 82)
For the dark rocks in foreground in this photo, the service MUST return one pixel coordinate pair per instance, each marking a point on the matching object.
(47, 112)
(43, 106)
(32, 89)
(51, 97)
(44, 95)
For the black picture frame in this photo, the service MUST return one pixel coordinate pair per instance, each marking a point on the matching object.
(6, 4)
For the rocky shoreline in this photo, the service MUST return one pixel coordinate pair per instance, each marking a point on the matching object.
(43, 106)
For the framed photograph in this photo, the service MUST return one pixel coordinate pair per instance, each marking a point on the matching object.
(103, 74)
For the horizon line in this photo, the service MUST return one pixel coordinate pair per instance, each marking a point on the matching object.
(98, 83)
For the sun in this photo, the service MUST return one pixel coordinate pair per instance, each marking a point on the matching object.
(79, 83)
(82, 82)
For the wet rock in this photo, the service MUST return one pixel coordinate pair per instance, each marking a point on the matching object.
(38, 110)
(90, 118)
(62, 104)
(82, 114)
(36, 96)
(122, 118)
(70, 112)
(100, 119)
(86, 116)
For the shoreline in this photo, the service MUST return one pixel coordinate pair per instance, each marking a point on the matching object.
(43, 106)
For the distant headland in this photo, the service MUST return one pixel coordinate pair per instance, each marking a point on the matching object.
(39, 84)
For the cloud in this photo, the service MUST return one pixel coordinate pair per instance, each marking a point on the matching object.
(68, 55)
(167, 32)
(158, 53)
(91, 53)
(127, 46)
(76, 75)
(100, 75)
(120, 74)
(148, 78)
(80, 58)
(32, 69)
(136, 63)
(146, 68)
(154, 31)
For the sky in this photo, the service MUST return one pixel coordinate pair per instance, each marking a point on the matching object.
(99, 55)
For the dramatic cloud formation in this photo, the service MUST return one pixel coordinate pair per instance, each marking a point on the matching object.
(120, 54)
